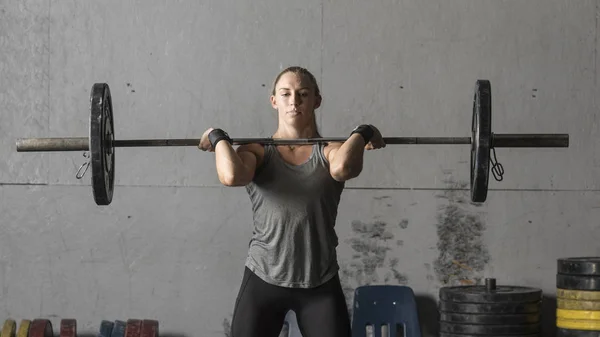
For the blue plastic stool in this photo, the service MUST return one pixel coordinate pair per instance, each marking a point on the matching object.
(393, 307)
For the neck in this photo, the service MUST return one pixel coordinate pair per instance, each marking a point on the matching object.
(289, 132)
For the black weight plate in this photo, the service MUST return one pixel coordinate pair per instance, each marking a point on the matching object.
(119, 329)
(480, 294)
(478, 329)
(106, 328)
(577, 282)
(443, 334)
(490, 308)
(481, 140)
(490, 318)
(579, 266)
(576, 333)
(101, 149)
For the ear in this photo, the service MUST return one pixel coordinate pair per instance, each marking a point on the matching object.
(318, 101)
(273, 102)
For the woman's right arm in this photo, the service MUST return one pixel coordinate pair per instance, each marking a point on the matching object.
(237, 167)
(234, 167)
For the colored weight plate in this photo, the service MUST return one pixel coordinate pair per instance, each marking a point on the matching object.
(100, 140)
(490, 318)
(490, 308)
(560, 332)
(561, 303)
(480, 294)
(479, 329)
(106, 328)
(134, 328)
(24, 326)
(9, 328)
(579, 266)
(578, 294)
(578, 282)
(149, 328)
(578, 314)
(481, 140)
(68, 327)
(119, 329)
(578, 324)
(444, 334)
(41, 328)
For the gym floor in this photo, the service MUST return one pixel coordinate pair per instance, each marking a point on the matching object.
(172, 244)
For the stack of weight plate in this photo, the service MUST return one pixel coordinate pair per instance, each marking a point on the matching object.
(68, 328)
(578, 297)
(490, 310)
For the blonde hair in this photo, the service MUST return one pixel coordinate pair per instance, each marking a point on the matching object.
(300, 71)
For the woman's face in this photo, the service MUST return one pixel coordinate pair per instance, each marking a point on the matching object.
(295, 99)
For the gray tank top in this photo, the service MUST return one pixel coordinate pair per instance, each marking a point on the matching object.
(294, 213)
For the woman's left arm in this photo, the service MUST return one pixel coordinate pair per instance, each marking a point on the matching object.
(346, 159)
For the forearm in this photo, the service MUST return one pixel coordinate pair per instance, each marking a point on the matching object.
(348, 160)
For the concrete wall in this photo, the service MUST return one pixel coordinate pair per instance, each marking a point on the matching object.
(172, 244)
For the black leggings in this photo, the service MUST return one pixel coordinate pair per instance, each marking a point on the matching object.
(261, 307)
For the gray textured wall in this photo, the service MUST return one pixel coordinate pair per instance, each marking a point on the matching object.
(172, 244)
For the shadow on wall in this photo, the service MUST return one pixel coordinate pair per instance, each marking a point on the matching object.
(428, 315)
(548, 315)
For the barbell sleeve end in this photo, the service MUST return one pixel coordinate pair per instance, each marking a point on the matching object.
(531, 140)
(52, 144)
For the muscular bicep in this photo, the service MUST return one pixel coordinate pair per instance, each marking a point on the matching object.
(249, 159)
(330, 152)
(345, 160)
(251, 156)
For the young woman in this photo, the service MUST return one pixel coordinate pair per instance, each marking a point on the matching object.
(295, 192)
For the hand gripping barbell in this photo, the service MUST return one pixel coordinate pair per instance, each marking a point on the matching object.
(101, 143)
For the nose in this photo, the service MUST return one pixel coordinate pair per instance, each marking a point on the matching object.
(296, 99)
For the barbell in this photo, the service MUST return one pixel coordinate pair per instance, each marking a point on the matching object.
(101, 142)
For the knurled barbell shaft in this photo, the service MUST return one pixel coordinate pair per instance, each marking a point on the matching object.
(498, 140)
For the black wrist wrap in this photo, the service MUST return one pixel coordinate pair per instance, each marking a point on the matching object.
(218, 135)
(365, 131)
